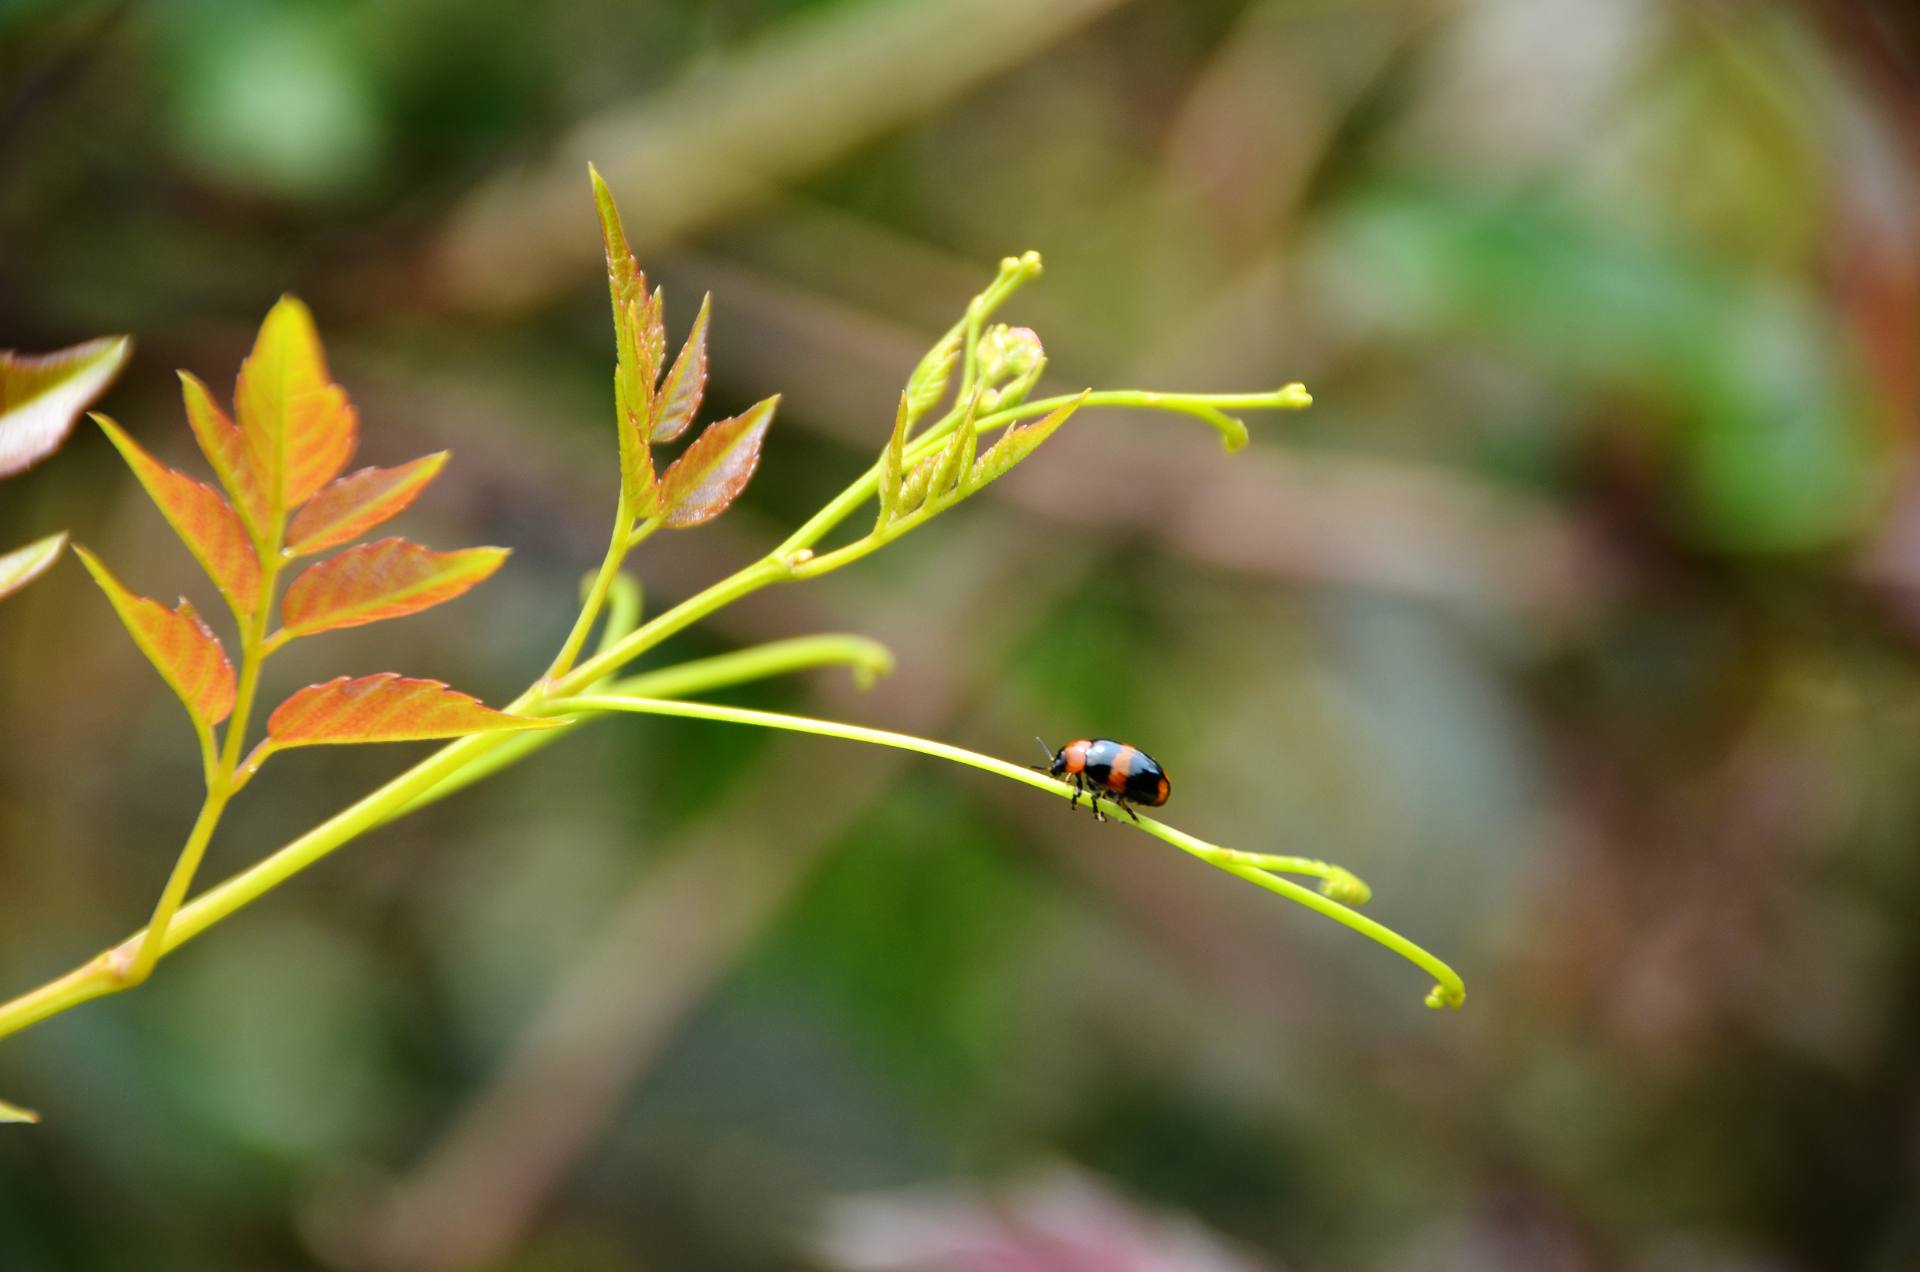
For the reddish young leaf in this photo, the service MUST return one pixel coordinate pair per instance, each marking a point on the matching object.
(679, 397)
(226, 450)
(652, 333)
(710, 473)
(385, 579)
(354, 504)
(183, 649)
(41, 395)
(623, 272)
(204, 521)
(23, 565)
(635, 345)
(384, 708)
(299, 427)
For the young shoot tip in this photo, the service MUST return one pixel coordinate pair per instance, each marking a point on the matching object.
(1346, 887)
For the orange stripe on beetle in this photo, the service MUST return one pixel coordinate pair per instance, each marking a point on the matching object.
(1101, 768)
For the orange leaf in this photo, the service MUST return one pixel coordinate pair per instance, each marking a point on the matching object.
(710, 473)
(356, 503)
(186, 653)
(23, 565)
(680, 393)
(42, 394)
(384, 708)
(385, 579)
(299, 427)
(204, 521)
(226, 450)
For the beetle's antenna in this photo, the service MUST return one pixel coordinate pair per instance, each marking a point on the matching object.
(1044, 748)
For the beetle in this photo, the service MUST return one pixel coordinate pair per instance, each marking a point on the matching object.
(1102, 768)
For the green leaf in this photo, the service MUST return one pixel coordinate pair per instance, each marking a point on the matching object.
(891, 460)
(1018, 443)
(41, 395)
(928, 383)
(23, 565)
(956, 457)
(913, 490)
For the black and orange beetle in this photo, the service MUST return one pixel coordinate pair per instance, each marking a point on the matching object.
(1101, 767)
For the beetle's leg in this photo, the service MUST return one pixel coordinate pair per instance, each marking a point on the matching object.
(1094, 795)
(1128, 809)
(1073, 805)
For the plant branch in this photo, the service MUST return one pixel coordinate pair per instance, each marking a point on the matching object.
(1449, 990)
(597, 593)
(866, 658)
(254, 648)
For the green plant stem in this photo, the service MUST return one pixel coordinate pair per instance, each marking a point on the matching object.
(141, 964)
(623, 611)
(597, 594)
(866, 657)
(1448, 991)
(648, 634)
(643, 532)
(220, 781)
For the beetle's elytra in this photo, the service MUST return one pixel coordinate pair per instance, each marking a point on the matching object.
(1101, 768)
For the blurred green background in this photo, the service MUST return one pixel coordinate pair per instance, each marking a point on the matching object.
(1579, 616)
